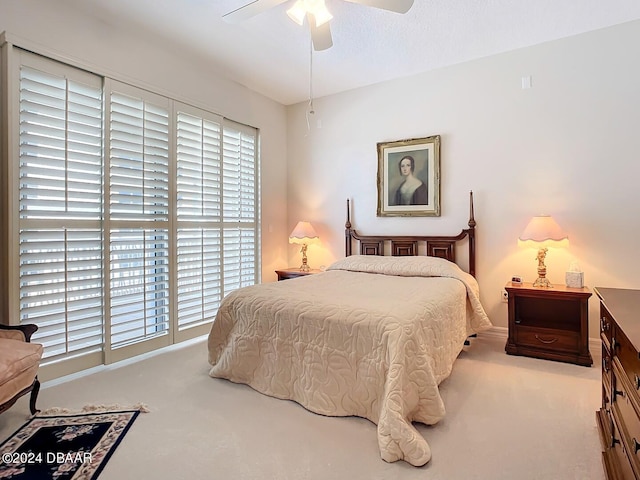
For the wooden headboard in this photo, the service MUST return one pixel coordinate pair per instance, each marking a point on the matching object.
(436, 246)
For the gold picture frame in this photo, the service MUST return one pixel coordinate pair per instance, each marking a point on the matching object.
(409, 178)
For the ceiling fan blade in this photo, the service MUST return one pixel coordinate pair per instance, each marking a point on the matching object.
(398, 6)
(320, 36)
(251, 9)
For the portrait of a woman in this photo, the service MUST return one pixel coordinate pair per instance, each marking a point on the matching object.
(412, 191)
(409, 178)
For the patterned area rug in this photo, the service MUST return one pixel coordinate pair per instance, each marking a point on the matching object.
(64, 447)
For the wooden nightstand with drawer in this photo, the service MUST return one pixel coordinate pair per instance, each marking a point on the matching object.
(549, 322)
(287, 273)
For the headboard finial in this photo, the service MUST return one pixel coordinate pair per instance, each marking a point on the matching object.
(347, 232)
(347, 224)
(472, 220)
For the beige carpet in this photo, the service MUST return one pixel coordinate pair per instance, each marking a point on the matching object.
(507, 418)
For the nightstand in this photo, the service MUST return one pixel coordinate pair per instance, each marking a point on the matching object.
(550, 323)
(293, 272)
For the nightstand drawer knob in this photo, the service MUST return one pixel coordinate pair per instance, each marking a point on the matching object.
(617, 393)
(637, 380)
(548, 342)
(605, 366)
(636, 446)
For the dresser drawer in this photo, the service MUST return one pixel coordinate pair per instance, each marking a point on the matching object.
(610, 455)
(562, 340)
(628, 358)
(623, 409)
(618, 449)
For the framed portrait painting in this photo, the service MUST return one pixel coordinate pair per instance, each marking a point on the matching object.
(409, 178)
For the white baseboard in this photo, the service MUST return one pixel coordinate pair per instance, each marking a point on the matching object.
(122, 363)
(496, 332)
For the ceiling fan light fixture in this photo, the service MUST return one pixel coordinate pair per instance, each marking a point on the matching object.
(322, 15)
(317, 8)
(297, 12)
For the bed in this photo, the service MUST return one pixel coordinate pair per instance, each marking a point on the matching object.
(372, 336)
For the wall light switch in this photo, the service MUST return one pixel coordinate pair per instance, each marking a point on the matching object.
(526, 82)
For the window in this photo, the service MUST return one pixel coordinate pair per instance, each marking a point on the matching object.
(239, 207)
(199, 215)
(137, 214)
(216, 212)
(60, 191)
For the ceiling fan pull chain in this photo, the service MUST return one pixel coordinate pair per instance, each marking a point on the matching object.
(311, 111)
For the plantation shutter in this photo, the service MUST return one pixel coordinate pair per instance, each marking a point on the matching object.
(240, 202)
(60, 207)
(217, 203)
(138, 216)
(199, 208)
(132, 214)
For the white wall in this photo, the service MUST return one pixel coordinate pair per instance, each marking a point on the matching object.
(566, 147)
(110, 48)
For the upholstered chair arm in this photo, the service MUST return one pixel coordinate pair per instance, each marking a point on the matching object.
(18, 332)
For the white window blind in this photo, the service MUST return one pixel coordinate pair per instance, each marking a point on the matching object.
(199, 275)
(133, 221)
(138, 217)
(139, 160)
(61, 283)
(199, 154)
(239, 258)
(199, 208)
(216, 166)
(239, 154)
(240, 202)
(139, 285)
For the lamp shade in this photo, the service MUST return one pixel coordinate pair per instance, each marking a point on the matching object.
(543, 230)
(303, 234)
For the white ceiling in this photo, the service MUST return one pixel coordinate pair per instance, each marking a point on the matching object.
(270, 54)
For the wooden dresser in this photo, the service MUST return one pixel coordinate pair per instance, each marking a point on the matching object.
(618, 419)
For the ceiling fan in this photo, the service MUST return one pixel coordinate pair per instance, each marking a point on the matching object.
(316, 13)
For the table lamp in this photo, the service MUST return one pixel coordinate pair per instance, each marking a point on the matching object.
(543, 232)
(303, 234)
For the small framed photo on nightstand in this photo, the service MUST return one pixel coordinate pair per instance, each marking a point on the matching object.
(516, 280)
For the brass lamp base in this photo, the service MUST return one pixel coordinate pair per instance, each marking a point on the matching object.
(542, 281)
(304, 267)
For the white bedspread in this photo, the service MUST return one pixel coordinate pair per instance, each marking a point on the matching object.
(371, 337)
